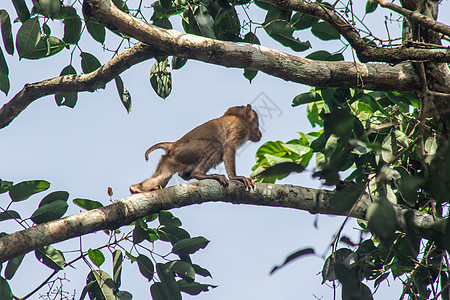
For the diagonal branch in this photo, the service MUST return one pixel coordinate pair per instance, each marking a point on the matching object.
(126, 210)
(417, 17)
(74, 83)
(364, 50)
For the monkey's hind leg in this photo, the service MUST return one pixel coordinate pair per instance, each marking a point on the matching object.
(210, 159)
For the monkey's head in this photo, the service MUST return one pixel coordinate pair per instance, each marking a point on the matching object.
(250, 117)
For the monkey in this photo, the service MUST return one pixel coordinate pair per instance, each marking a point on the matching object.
(203, 148)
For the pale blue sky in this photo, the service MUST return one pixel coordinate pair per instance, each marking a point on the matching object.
(97, 144)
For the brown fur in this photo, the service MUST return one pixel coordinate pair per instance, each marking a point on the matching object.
(203, 148)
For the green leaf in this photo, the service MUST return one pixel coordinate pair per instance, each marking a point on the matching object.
(345, 197)
(178, 62)
(9, 214)
(292, 257)
(23, 190)
(314, 111)
(170, 289)
(325, 31)
(96, 256)
(48, 8)
(87, 204)
(161, 79)
(72, 26)
(304, 98)
(302, 21)
(89, 63)
(381, 219)
(194, 288)
(52, 258)
(67, 99)
(146, 266)
(5, 186)
(12, 266)
(54, 196)
(5, 22)
(28, 36)
(371, 6)
(190, 245)
(201, 271)
(5, 290)
(49, 212)
(205, 22)
(164, 21)
(183, 269)
(172, 234)
(338, 122)
(157, 291)
(46, 47)
(96, 30)
(124, 95)
(22, 10)
(168, 219)
(4, 83)
(100, 285)
(117, 266)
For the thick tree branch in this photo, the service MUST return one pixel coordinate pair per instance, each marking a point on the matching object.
(74, 83)
(243, 55)
(417, 17)
(364, 50)
(126, 210)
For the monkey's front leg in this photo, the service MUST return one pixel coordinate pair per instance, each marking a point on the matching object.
(229, 158)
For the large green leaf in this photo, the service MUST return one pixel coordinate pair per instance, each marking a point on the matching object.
(12, 266)
(54, 196)
(100, 285)
(146, 266)
(23, 190)
(87, 204)
(194, 288)
(169, 288)
(190, 245)
(28, 36)
(96, 30)
(49, 212)
(168, 219)
(96, 256)
(5, 290)
(3, 65)
(4, 83)
(47, 46)
(117, 267)
(6, 31)
(9, 214)
(72, 26)
(325, 31)
(381, 219)
(89, 63)
(52, 258)
(172, 234)
(302, 21)
(67, 99)
(22, 10)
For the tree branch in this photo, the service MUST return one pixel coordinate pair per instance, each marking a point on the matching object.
(364, 50)
(74, 83)
(126, 210)
(255, 57)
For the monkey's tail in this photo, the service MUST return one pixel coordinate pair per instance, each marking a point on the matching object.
(166, 146)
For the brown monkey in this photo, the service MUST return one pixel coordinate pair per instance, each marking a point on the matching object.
(203, 148)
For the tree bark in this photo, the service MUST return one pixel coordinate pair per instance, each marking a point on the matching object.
(136, 206)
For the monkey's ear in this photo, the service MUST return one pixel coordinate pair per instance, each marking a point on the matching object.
(248, 110)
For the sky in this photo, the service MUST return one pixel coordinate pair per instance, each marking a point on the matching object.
(98, 145)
